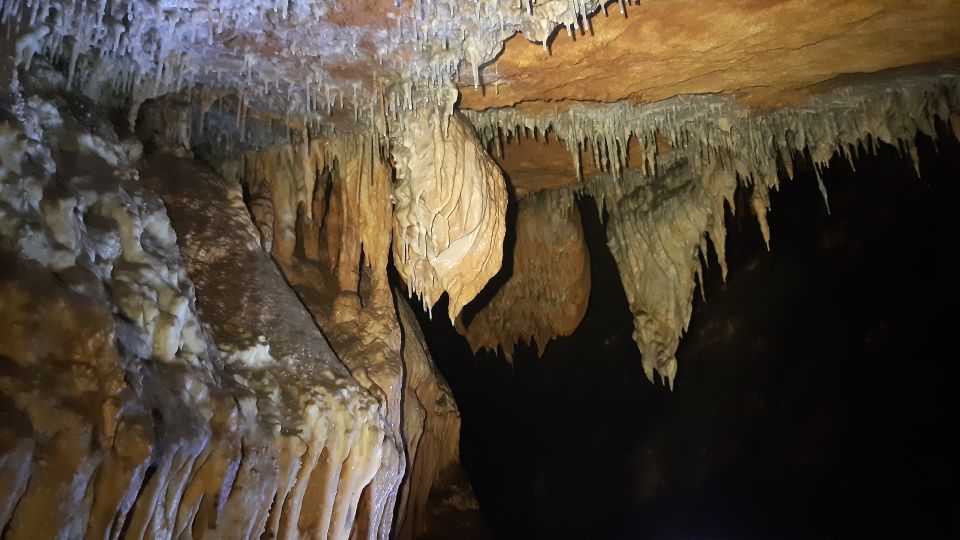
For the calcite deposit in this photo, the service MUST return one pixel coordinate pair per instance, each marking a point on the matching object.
(546, 293)
(138, 418)
(178, 400)
(211, 213)
(660, 218)
(449, 213)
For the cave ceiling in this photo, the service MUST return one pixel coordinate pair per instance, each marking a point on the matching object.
(325, 59)
(660, 110)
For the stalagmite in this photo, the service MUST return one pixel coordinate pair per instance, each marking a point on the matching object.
(546, 294)
(450, 206)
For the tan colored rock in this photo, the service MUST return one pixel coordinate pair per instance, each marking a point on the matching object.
(122, 414)
(547, 292)
(431, 429)
(665, 201)
(450, 207)
(348, 303)
(656, 234)
(273, 347)
(325, 197)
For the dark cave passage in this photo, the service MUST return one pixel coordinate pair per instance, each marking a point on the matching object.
(813, 393)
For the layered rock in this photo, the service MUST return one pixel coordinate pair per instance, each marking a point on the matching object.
(546, 293)
(770, 54)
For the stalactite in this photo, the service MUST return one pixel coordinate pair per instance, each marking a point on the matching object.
(655, 233)
(549, 286)
(450, 207)
(376, 222)
(661, 207)
(296, 178)
(138, 50)
(349, 246)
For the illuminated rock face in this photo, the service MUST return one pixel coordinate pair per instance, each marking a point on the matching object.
(768, 53)
(135, 418)
(687, 157)
(137, 410)
(165, 333)
(451, 203)
(656, 234)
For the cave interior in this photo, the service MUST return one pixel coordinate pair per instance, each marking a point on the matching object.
(478, 269)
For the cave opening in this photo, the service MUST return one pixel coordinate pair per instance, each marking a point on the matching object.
(814, 390)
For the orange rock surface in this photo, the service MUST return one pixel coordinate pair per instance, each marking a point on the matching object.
(767, 51)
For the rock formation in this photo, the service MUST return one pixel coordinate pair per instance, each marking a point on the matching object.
(546, 294)
(199, 334)
(664, 199)
(449, 214)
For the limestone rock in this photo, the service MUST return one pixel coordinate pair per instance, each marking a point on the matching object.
(548, 288)
(451, 203)
(769, 53)
(126, 414)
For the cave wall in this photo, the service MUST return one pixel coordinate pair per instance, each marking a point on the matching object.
(189, 391)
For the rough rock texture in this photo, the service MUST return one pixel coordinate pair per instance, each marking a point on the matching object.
(208, 212)
(656, 235)
(769, 52)
(437, 498)
(134, 421)
(350, 215)
(450, 206)
(664, 199)
(152, 411)
(308, 56)
(413, 401)
(548, 288)
(389, 357)
(330, 198)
